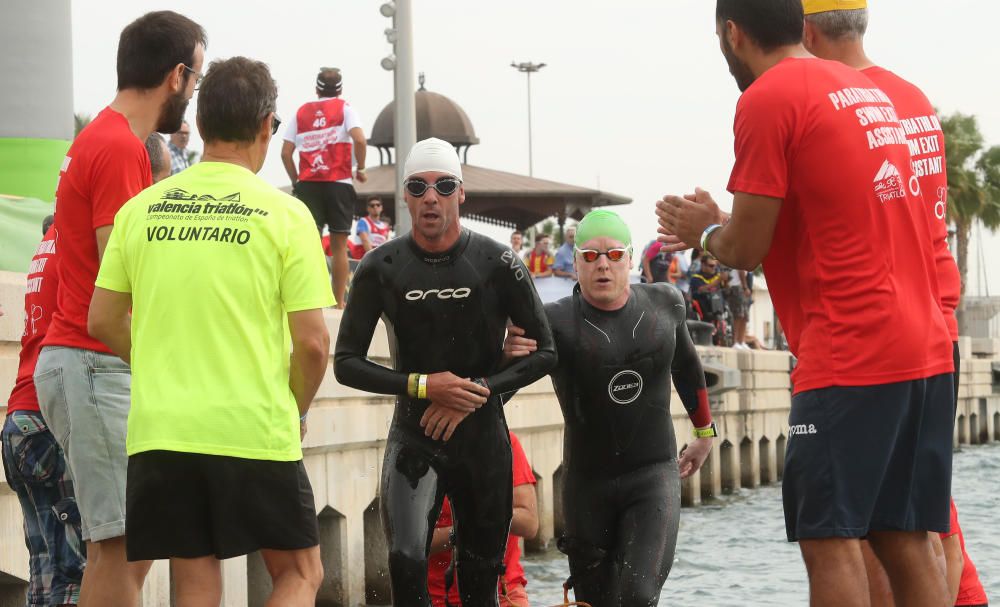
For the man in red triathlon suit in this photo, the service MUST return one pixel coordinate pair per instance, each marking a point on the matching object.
(326, 132)
(511, 591)
(83, 389)
(371, 230)
(823, 178)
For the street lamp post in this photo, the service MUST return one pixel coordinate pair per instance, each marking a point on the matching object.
(529, 69)
(404, 119)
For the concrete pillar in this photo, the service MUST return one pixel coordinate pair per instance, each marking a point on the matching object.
(156, 590)
(234, 582)
(962, 424)
(728, 467)
(749, 468)
(691, 490)
(711, 476)
(767, 460)
(36, 122)
(333, 555)
(377, 591)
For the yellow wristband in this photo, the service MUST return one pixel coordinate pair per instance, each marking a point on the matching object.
(709, 432)
(411, 385)
(422, 387)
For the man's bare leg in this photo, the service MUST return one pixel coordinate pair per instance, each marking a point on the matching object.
(837, 575)
(338, 246)
(914, 572)
(112, 581)
(197, 582)
(295, 575)
(878, 582)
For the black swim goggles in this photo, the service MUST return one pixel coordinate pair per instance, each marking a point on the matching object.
(446, 186)
(592, 255)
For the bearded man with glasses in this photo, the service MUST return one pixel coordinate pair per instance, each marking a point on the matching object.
(445, 294)
(619, 345)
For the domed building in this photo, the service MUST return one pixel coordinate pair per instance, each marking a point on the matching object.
(495, 197)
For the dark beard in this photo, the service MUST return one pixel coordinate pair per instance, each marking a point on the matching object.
(740, 71)
(172, 114)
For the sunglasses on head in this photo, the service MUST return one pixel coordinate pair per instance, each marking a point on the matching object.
(591, 255)
(446, 186)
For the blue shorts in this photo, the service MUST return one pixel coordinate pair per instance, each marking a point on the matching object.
(84, 396)
(36, 470)
(869, 458)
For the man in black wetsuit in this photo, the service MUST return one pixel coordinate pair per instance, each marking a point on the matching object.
(445, 295)
(619, 345)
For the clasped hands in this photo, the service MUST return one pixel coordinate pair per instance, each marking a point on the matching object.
(452, 400)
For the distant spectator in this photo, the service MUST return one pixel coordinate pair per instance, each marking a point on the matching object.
(326, 133)
(47, 223)
(564, 256)
(656, 263)
(524, 524)
(737, 297)
(371, 230)
(159, 157)
(678, 274)
(178, 148)
(539, 260)
(706, 287)
(517, 241)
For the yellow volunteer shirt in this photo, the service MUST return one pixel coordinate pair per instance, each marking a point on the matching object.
(214, 258)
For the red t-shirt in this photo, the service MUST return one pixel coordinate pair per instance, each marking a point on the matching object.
(850, 268)
(438, 563)
(39, 303)
(105, 167)
(926, 140)
(970, 589)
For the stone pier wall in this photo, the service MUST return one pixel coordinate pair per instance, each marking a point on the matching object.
(344, 449)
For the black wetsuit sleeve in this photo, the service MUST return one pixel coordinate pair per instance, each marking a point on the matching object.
(686, 370)
(357, 326)
(526, 311)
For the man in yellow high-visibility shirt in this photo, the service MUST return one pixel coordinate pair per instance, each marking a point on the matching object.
(219, 269)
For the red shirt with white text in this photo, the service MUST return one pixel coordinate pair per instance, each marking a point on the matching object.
(39, 303)
(926, 141)
(850, 268)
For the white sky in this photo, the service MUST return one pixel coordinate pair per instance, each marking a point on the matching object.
(636, 98)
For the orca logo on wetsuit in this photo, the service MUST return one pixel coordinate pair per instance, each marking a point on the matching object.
(418, 295)
(625, 387)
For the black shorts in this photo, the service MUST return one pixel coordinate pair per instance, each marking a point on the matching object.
(189, 505)
(869, 458)
(330, 202)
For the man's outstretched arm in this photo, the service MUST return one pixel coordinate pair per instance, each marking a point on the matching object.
(527, 312)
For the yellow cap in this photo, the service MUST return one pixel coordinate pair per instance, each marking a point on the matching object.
(812, 7)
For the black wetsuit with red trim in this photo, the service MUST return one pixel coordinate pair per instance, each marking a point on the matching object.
(621, 491)
(444, 312)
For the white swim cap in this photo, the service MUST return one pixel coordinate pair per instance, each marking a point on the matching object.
(432, 155)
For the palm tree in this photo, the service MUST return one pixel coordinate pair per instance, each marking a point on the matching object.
(79, 122)
(973, 183)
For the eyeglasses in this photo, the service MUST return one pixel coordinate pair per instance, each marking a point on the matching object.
(198, 77)
(445, 186)
(591, 255)
(275, 123)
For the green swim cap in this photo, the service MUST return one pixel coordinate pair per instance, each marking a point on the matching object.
(603, 223)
